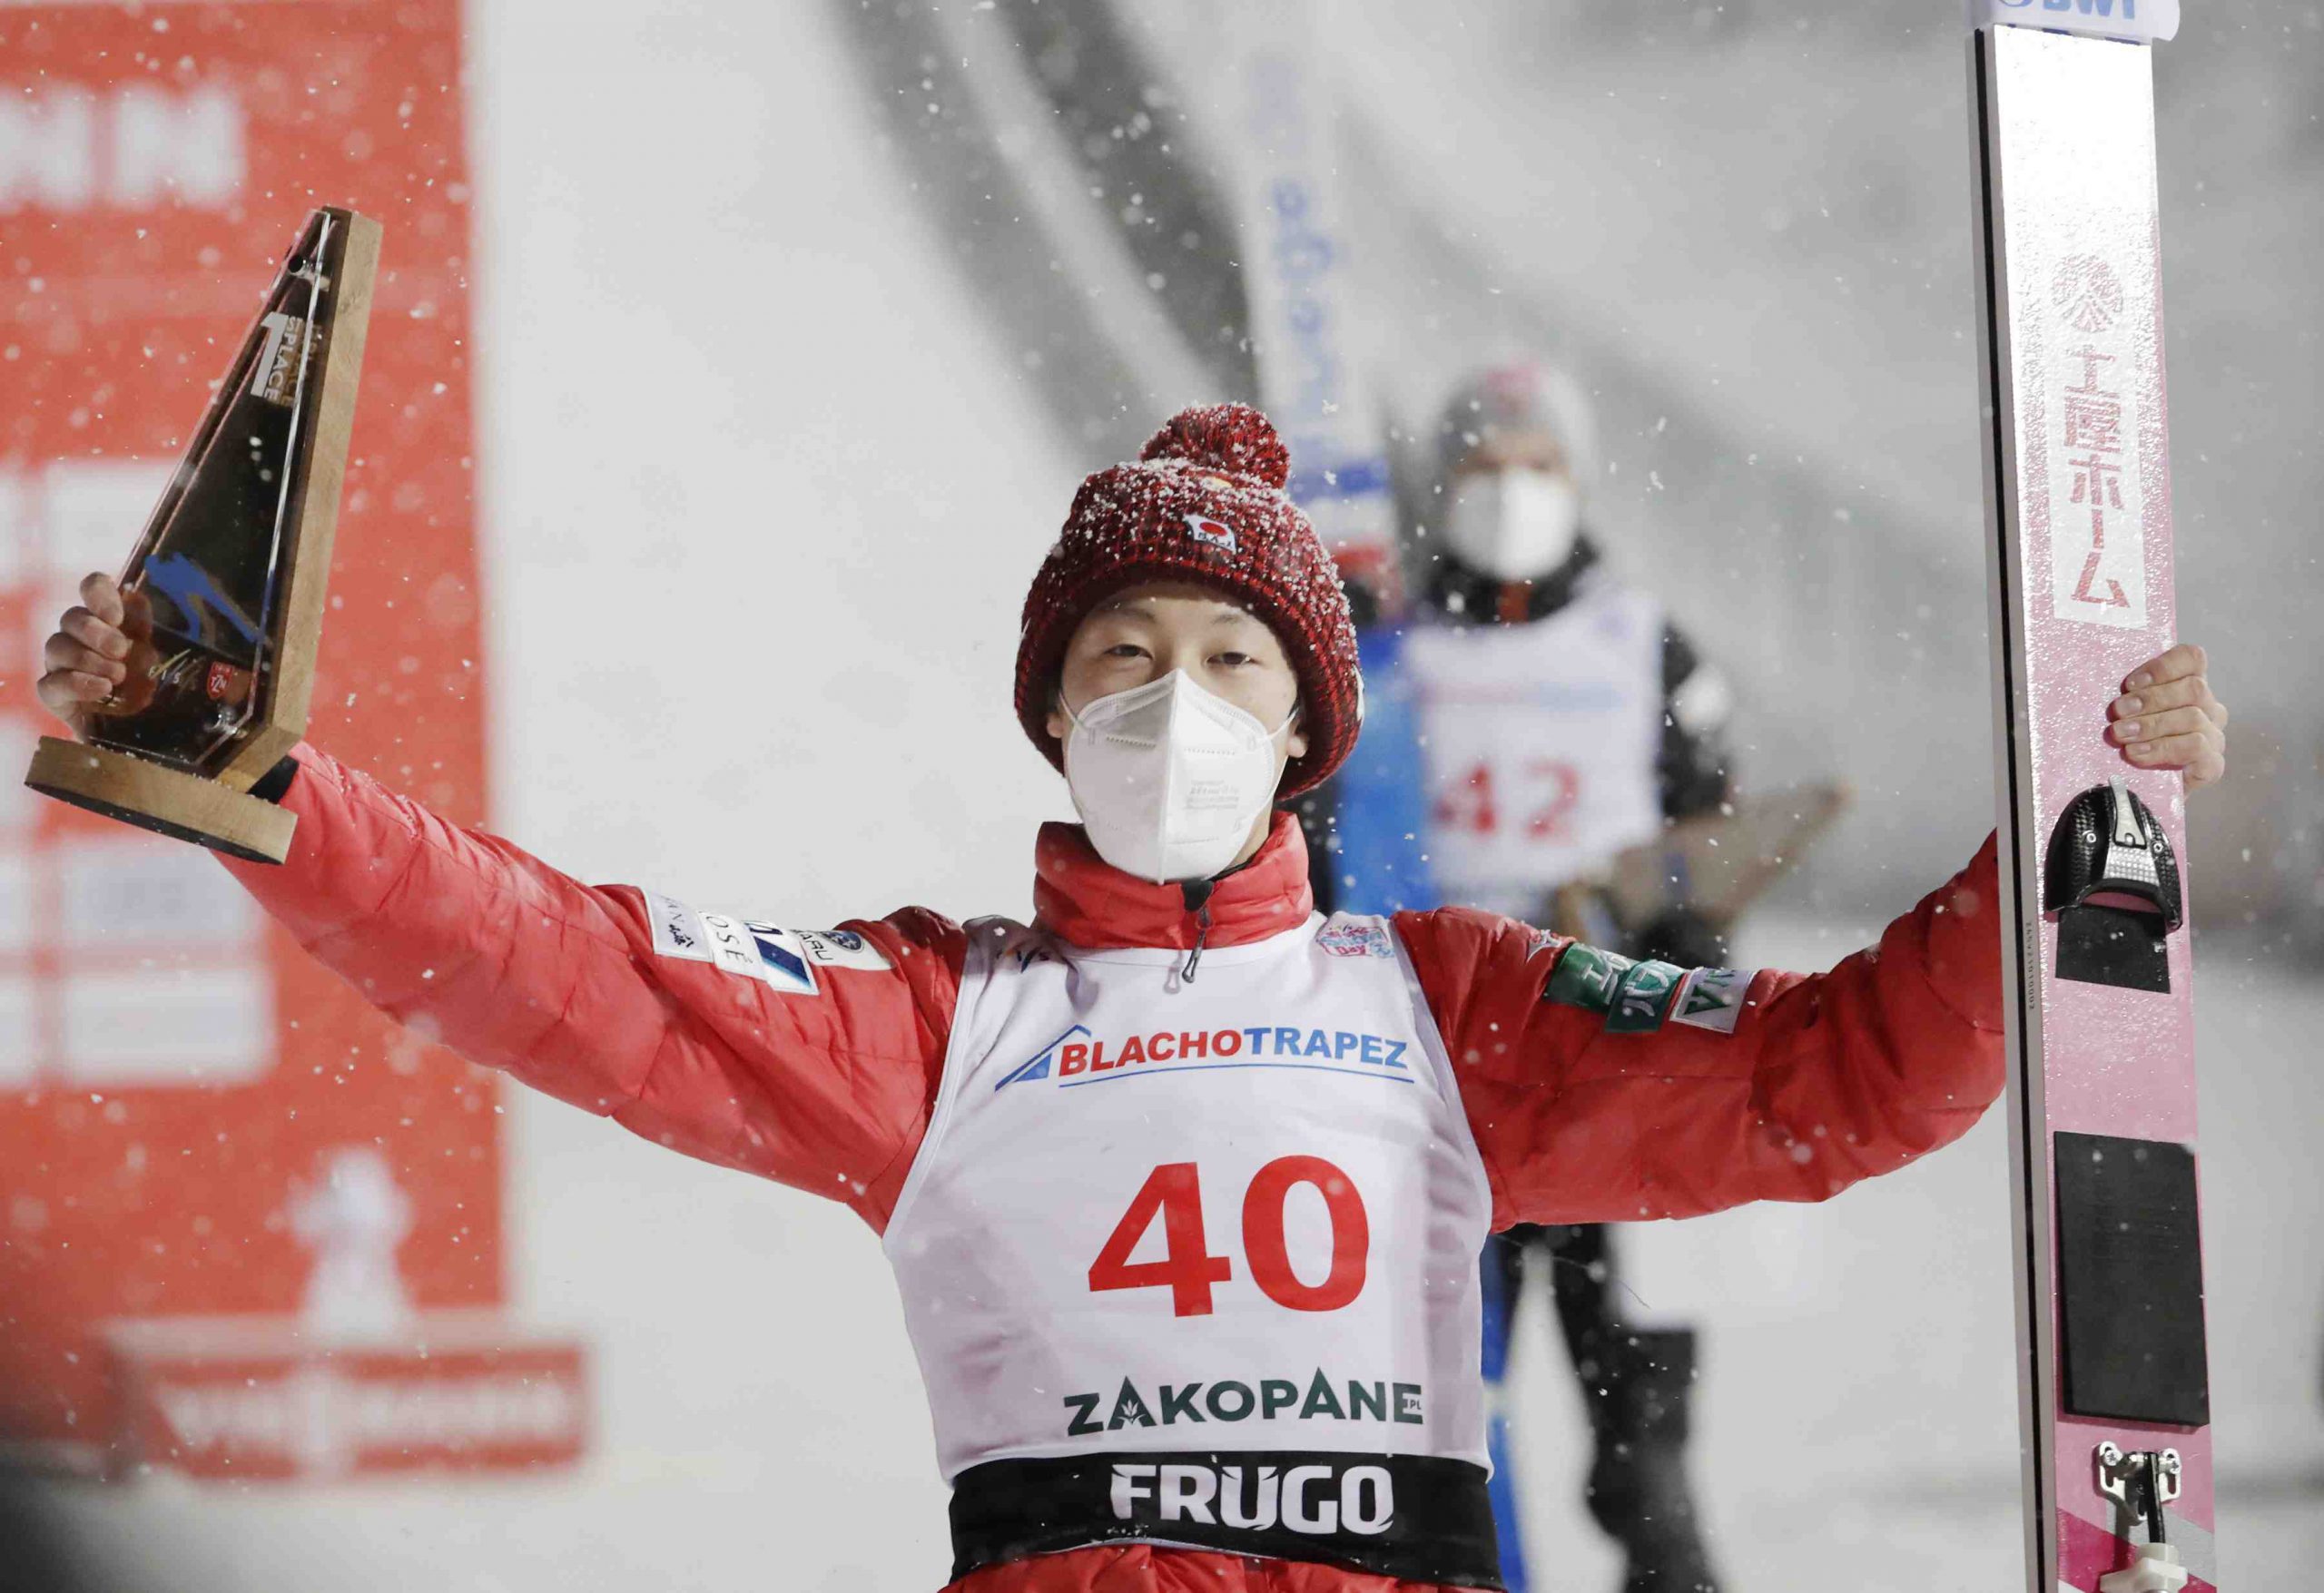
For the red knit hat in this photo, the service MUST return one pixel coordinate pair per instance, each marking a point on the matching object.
(1204, 502)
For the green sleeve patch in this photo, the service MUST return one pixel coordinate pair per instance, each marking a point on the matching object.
(1586, 977)
(1642, 997)
(1713, 998)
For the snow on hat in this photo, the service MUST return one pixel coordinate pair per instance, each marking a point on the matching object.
(1505, 399)
(1204, 503)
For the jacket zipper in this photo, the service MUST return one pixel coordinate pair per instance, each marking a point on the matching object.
(1195, 893)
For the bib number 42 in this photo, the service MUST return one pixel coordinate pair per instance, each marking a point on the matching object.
(1543, 793)
(1174, 1193)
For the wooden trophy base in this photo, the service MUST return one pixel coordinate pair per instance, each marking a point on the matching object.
(168, 802)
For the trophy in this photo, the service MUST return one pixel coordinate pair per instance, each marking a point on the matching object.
(224, 591)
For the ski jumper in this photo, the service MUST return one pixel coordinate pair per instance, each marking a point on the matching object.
(1511, 747)
(1287, 1218)
(1541, 744)
(1298, 1361)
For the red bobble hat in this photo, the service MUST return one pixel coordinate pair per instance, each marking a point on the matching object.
(1204, 502)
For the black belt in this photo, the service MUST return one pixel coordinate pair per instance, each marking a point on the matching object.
(1417, 1517)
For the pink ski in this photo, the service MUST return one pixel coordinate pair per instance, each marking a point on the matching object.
(2101, 1097)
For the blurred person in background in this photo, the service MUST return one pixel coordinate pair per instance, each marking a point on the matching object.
(1543, 715)
(1214, 1325)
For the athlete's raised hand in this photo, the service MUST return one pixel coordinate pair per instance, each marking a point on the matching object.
(87, 658)
(2166, 717)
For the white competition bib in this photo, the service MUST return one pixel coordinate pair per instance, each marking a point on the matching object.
(1540, 743)
(1236, 1214)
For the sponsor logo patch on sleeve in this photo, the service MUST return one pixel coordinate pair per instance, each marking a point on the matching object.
(677, 928)
(1713, 997)
(1586, 977)
(842, 949)
(756, 951)
(1643, 997)
(786, 960)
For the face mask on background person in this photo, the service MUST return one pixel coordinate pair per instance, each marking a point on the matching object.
(1513, 525)
(1170, 779)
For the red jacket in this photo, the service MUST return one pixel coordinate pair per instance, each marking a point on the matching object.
(1826, 1079)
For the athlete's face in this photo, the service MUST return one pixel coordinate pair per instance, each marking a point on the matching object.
(1146, 632)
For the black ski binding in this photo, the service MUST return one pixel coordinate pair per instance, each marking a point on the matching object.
(2111, 879)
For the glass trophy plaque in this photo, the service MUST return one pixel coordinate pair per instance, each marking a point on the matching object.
(224, 589)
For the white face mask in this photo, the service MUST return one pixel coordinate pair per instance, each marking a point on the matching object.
(1170, 779)
(1513, 525)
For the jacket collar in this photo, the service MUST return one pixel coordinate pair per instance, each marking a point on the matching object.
(1086, 901)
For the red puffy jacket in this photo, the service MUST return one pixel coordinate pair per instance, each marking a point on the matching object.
(1827, 1078)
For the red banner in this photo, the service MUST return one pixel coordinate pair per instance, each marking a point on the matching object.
(195, 1122)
